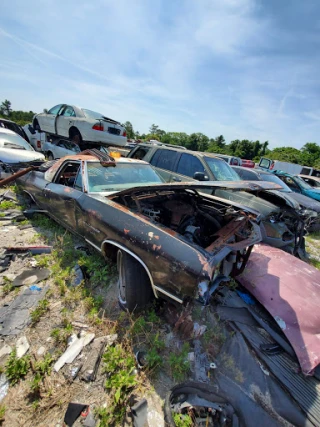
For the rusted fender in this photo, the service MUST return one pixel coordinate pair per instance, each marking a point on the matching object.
(290, 290)
(16, 175)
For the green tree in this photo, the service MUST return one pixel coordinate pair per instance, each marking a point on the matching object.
(153, 129)
(285, 154)
(5, 107)
(129, 129)
(198, 142)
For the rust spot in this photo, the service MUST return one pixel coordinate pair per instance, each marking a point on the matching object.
(204, 263)
(156, 237)
(126, 231)
(67, 189)
(155, 247)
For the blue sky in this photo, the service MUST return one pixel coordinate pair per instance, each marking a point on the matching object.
(241, 68)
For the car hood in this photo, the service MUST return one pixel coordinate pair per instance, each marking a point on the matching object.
(274, 277)
(305, 202)
(253, 186)
(8, 155)
(287, 198)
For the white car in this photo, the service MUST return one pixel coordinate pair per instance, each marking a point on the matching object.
(80, 125)
(15, 150)
(36, 138)
(60, 148)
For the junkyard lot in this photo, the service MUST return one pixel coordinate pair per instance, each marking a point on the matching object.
(67, 305)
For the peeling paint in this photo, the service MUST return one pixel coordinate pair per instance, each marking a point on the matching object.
(281, 322)
(156, 248)
(125, 231)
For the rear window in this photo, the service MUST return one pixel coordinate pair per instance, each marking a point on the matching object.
(139, 153)
(164, 159)
(247, 175)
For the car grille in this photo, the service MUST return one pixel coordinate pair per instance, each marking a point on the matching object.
(114, 131)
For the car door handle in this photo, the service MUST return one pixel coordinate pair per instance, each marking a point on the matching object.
(176, 179)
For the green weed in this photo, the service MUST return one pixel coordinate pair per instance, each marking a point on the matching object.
(2, 413)
(179, 364)
(181, 420)
(315, 262)
(16, 369)
(7, 204)
(119, 366)
(39, 311)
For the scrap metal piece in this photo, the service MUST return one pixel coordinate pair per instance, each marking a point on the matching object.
(34, 250)
(139, 413)
(289, 289)
(91, 366)
(30, 277)
(73, 350)
(16, 316)
(22, 346)
(200, 363)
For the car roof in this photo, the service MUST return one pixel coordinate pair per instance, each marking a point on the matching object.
(90, 158)
(317, 178)
(7, 120)
(181, 150)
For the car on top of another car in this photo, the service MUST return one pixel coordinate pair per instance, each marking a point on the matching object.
(80, 125)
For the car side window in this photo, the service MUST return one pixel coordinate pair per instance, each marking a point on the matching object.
(140, 153)
(78, 181)
(67, 175)
(188, 165)
(55, 110)
(69, 112)
(246, 175)
(164, 159)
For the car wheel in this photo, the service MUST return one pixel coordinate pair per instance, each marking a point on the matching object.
(75, 136)
(50, 156)
(134, 287)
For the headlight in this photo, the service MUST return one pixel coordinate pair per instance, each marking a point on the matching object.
(308, 213)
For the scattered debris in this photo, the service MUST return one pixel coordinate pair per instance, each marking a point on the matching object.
(5, 260)
(35, 288)
(201, 364)
(73, 350)
(89, 421)
(73, 412)
(90, 368)
(9, 195)
(15, 316)
(141, 358)
(22, 346)
(198, 330)
(34, 250)
(5, 350)
(78, 277)
(30, 277)
(41, 351)
(139, 413)
(80, 325)
(4, 386)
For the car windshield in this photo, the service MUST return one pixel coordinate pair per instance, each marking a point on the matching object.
(14, 141)
(221, 170)
(120, 177)
(92, 114)
(273, 178)
(303, 183)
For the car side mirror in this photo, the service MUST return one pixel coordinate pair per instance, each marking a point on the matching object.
(200, 176)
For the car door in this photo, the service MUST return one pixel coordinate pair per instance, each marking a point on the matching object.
(290, 183)
(47, 121)
(164, 161)
(187, 166)
(62, 194)
(65, 120)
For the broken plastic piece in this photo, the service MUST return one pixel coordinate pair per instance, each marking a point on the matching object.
(4, 386)
(139, 413)
(34, 250)
(78, 276)
(35, 288)
(73, 350)
(22, 346)
(73, 413)
(29, 277)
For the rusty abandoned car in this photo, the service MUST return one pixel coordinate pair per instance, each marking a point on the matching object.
(169, 240)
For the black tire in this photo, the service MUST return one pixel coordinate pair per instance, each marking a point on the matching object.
(75, 136)
(134, 287)
(50, 156)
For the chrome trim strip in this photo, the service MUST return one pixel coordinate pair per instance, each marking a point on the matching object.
(92, 244)
(169, 295)
(137, 258)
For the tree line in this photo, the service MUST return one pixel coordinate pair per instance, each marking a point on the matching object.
(309, 155)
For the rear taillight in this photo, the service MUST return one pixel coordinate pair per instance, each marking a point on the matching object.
(38, 144)
(124, 133)
(98, 126)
